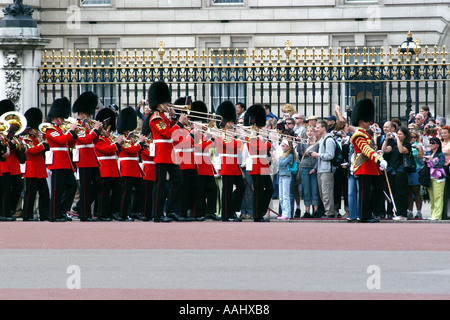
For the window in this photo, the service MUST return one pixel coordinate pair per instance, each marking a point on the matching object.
(95, 2)
(234, 92)
(228, 1)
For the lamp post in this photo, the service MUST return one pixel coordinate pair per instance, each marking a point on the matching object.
(410, 47)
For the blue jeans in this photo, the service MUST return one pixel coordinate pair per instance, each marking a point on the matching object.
(284, 191)
(310, 187)
(353, 202)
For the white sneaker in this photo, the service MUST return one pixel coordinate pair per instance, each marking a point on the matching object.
(399, 218)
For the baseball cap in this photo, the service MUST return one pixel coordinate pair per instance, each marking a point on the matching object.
(331, 118)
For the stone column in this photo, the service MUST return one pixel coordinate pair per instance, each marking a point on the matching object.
(20, 56)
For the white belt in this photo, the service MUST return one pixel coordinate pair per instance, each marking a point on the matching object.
(107, 158)
(129, 158)
(163, 141)
(258, 157)
(201, 154)
(229, 155)
(148, 162)
(184, 150)
(82, 146)
(59, 149)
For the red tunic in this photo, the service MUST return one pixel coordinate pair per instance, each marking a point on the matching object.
(149, 165)
(361, 144)
(257, 151)
(162, 132)
(12, 164)
(35, 165)
(202, 158)
(106, 151)
(229, 165)
(184, 149)
(85, 148)
(59, 146)
(129, 161)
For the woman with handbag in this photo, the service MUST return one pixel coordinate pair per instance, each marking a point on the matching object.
(308, 172)
(414, 196)
(400, 152)
(435, 160)
(445, 138)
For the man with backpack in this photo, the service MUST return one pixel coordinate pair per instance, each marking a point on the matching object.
(325, 169)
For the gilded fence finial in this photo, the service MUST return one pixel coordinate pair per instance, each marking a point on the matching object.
(287, 50)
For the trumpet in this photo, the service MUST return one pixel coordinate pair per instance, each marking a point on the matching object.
(131, 139)
(210, 117)
(65, 126)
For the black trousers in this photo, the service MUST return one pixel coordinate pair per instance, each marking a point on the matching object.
(63, 189)
(127, 205)
(190, 188)
(33, 186)
(12, 189)
(205, 197)
(170, 191)
(232, 199)
(89, 186)
(340, 188)
(148, 198)
(399, 188)
(262, 194)
(109, 197)
(370, 191)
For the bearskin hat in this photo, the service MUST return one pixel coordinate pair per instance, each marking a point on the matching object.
(158, 93)
(363, 110)
(34, 118)
(106, 113)
(60, 109)
(197, 108)
(87, 102)
(227, 111)
(6, 106)
(255, 115)
(126, 120)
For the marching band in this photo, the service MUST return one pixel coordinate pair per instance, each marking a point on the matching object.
(183, 166)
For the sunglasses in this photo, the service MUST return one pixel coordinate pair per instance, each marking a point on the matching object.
(289, 123)
(433, 142)
(413, 137)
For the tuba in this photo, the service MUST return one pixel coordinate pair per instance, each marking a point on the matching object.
(4, 129)
(17, 124)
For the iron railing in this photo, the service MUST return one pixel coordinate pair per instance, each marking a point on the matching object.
(313, 80)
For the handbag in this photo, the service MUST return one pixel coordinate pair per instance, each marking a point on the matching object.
(424, 176)
(409, 164)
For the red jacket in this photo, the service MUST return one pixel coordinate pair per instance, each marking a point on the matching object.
(162, 132)
(11, 165)
(184, 149)
(229, 157)
(202, 157)
(85, 148)
(107, 155)
(257, 151)
(129, 161)
(149, 165)
(35, 165)
(361, 141)
(59, 144)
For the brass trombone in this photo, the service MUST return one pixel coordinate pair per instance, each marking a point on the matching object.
(197, 114)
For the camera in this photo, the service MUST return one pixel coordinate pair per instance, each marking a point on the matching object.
(280, 126)
(377, 130)
(431, 126)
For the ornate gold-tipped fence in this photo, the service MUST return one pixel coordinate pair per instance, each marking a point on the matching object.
(314, 80)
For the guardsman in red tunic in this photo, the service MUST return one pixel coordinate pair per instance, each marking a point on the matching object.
(183, 142)
(257, 163)
(35, 172)
(84, 155)
(63, 182)
(107, 152)
(130, 170)
(368, 162)
(12, 183)
(206, 195)
(233, 187)
(148, 164)
(165, 160)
